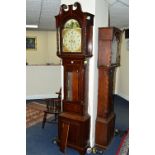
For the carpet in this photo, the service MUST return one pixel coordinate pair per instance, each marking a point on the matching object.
(35, 113)
(40, 141)
(123, 148)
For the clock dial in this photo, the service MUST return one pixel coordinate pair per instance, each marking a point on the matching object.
(72, 40)
(71, 36)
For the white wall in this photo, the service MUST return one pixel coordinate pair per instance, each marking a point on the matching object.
(42, 81)
(100, 20)
(122, 74)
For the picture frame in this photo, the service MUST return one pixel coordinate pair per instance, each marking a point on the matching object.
(31, 43)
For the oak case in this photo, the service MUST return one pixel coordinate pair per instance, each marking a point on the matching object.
(74, 121)
(108, 60)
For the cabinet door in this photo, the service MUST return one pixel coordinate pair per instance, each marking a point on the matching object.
(73, 131)
(74, 86)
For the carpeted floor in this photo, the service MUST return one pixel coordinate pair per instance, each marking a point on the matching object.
(124, 145)
(40, 141)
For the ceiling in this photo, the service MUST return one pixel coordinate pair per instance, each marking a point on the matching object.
(42, 12)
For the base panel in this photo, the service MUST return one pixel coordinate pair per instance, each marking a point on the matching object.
(104, 131)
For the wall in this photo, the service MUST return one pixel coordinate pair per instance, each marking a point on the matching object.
(122, 74)
(42, 81)
(100, 20)
(52, 48)
(46, 48)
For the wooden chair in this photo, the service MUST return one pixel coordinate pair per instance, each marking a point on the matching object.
(53, 107)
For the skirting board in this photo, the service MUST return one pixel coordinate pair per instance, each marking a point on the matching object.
(122, 95)
(41, 96)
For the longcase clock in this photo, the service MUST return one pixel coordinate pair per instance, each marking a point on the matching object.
(74, 47)
(108, 60)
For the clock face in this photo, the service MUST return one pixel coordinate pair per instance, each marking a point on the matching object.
(71, 36)
(72, 40)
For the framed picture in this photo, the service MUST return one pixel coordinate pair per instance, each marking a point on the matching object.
(31, 43)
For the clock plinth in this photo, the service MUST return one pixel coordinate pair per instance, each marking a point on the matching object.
(104, 130)
(74, 47)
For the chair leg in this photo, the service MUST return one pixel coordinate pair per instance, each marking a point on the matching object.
(55, 116)
(44, 120)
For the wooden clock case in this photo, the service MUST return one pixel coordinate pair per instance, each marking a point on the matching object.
(105, 122)
(74, 121)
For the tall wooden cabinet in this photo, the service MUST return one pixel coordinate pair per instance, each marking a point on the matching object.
(108, 60)
(74, 47)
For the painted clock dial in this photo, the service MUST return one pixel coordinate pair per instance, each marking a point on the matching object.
(71, 36)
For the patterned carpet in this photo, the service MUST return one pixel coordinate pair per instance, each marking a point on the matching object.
(124, 145)
(35, 113)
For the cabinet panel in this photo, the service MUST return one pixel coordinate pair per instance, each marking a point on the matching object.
(78, 127)
(72, 81)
